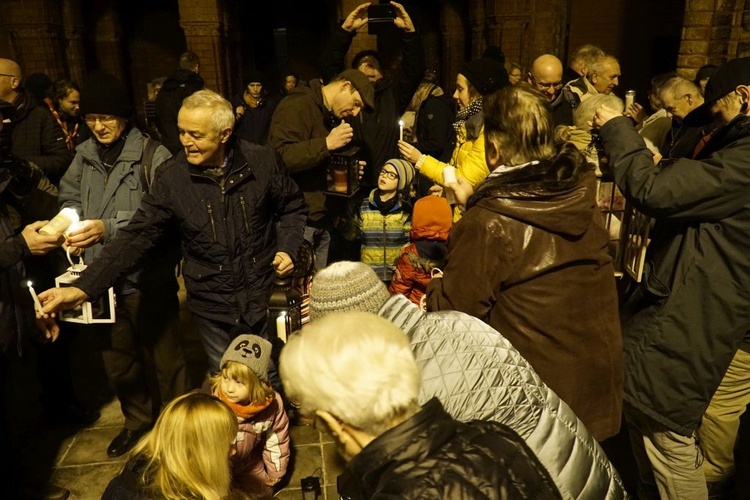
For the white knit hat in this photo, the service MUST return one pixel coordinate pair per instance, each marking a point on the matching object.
(346, 286)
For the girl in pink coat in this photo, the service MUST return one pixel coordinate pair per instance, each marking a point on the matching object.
(262, 446)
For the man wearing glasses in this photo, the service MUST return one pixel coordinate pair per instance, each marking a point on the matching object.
(546, 76)
(36, 136)
(104, 184)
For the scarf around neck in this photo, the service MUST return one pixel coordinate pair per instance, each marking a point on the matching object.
(473, 108)
(245, 411)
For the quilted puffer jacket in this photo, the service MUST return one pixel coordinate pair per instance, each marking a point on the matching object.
(477, 374)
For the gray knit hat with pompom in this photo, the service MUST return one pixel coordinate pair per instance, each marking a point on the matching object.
(346, 286)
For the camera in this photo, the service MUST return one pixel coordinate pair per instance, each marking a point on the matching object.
(380, 18)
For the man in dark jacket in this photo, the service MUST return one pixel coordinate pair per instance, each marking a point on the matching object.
(365, 386)
(378, 130)
(307, 127)
(226, 198)
(687, 322)
(36, 136)
(174, 90)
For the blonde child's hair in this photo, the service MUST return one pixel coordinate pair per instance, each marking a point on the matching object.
(260, 390)
(188, 451)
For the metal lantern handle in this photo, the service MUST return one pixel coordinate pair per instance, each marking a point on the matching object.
(70, 259)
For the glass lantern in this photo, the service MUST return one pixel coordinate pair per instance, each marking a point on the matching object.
(284, 309)
(343, 172)
(90, 312)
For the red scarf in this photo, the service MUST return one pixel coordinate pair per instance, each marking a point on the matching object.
(69, 136)
(245, 411)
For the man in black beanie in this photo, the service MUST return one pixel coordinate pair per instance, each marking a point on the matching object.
(104, 184)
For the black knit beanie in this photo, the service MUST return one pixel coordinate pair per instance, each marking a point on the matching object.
(486, 75)
(103, 94)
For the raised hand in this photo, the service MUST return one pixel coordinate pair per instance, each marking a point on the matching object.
(356, 18)
(339, 136)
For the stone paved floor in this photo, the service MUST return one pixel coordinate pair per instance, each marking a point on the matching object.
(76, 458)
(81, 464)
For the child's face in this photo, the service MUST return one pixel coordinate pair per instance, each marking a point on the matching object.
(388, 179)
(235, 391)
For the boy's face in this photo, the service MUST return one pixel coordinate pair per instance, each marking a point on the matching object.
(235, 391)
(388, 179)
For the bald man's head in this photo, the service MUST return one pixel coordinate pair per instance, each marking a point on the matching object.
(546, 75)
(10, 79)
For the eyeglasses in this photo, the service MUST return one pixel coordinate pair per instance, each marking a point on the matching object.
(10, 76)
(546, 86)
(103, 119)
(390, 175)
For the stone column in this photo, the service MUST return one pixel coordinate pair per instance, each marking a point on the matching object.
(477, 25)
(508, 26)
(108, 46)
(548, 29)
(454, 43)
(713, 32)
(205, 34)
(363, 41)
(74, 51)
(36, 35)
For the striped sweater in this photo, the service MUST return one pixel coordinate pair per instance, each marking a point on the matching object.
(383, 236)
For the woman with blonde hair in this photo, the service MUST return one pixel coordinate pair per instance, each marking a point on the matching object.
(185, 456)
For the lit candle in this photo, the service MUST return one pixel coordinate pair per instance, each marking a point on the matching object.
(37, 304)
(401, 130)
(281, 327)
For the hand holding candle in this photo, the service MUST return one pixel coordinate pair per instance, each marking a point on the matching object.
(37, 304)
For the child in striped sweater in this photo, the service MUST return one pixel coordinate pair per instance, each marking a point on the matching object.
(384, 218)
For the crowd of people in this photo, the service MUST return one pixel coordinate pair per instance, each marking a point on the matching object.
(464, 296)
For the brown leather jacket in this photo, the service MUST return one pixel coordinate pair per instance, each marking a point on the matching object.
(530, 258)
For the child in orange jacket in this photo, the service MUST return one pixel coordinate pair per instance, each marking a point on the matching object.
(431, 222)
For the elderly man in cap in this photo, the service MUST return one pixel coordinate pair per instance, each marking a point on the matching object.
(307, 127)
(685, 327)
(104, 184)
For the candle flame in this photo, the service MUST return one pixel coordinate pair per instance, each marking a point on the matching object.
(28, 284)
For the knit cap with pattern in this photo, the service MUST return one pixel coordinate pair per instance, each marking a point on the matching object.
(405, 171)
(346, 286)
(251, 351)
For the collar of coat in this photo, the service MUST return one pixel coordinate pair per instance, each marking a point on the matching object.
(544, 176)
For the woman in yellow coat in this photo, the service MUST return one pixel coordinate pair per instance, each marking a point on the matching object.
(475, 79)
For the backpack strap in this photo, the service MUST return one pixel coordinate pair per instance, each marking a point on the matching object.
(146, 163)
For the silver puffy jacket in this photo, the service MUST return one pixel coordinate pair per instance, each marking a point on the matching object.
(477, 374)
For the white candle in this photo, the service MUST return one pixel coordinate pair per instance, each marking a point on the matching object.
(37, 304)
(61, 222)
(281, 327)
(401, 130)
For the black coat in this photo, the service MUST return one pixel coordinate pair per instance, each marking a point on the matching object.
(168, 103)
(686, 320)
(377, 131)
(228, 234)
(430, 455)
(33, 199)
(39, 139)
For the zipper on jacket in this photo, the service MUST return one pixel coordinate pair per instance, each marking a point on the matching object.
(211, 218)
(244, 214)
(385, 250)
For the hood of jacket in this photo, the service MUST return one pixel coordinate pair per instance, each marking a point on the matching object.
(182, 78)
(557, 195)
